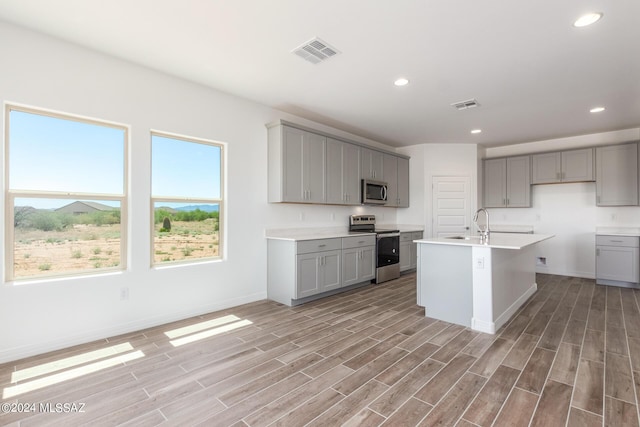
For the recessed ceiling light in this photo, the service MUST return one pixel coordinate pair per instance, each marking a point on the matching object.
(597, 110)
(476, 131)
(588, 19)
(401, 82)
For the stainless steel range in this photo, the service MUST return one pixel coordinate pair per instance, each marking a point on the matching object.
(387, 246)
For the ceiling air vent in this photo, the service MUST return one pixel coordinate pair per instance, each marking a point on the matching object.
(315, 51)
(463, 105)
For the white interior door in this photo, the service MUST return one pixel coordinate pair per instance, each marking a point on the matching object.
(451, 204)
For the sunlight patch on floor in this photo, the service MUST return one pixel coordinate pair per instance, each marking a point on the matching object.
(209, 333)
(70, 374)
(201, 326)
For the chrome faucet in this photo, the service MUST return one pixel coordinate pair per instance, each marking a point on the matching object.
(484, 234)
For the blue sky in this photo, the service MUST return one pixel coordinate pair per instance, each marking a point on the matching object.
(53, 154)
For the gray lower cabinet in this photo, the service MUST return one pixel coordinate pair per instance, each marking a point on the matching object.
(358, 259)
(617, 260)
(562, 166)
(298, 271)
(507, 182)
(408, 250)
(617, 175)
(317, 272)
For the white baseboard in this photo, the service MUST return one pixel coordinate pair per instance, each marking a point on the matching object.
(16, 353)
(492, 327)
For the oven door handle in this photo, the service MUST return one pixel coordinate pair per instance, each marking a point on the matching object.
(383, 235)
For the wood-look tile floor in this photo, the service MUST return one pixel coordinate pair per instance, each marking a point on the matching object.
(570, 356)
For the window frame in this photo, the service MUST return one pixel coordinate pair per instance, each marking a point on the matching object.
(10, 195)
(188, 200)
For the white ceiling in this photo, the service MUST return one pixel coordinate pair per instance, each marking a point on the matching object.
(534, 74)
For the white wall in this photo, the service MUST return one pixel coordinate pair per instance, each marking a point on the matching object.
(46, 73)
(431, 160)
(568, 211)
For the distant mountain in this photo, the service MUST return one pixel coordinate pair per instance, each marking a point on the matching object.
(203, 208)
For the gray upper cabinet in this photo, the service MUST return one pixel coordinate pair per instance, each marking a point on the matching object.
(390, 176)
(307, 166)
(565, 166)
(296, 166)
(495, 183)
(396, 175)
(372, 164)
(343, 173)
(403, 182)
(507, 182)
(617, 175)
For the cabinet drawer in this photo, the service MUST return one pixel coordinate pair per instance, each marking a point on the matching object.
(627, 241)
(320, 245)
(406, 237)
(358, 241)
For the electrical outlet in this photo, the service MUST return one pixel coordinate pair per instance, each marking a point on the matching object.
(480, 263)
(124, 294)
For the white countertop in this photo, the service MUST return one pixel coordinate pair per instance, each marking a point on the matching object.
(618, 231)
(295, 234)
(496, 240)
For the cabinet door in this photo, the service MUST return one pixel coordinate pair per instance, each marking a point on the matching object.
(519, 182)
(546, 168)
(350, 258)
(405, 255)
(372, 164)
(308, 275)
(617, 175)
(367, 264)
(292, 157)
(390, 176)
(335, 172)
(403, 182)
(495, 182)
(330, 274)
(313, 167)
(577, 165)
(304, 166)
(617, 263)
(351, 173)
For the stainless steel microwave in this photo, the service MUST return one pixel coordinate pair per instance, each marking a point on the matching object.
(374, 192)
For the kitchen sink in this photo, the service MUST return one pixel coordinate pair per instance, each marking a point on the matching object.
(463, 237)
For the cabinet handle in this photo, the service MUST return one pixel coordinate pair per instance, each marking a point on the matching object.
(597, 252)
(598, 199)
(508, 201)
(321, 246)
(617, 241)
(504, 202)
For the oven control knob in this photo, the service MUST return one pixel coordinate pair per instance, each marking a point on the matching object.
(393, 250)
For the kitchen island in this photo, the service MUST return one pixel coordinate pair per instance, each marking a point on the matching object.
(477, 284)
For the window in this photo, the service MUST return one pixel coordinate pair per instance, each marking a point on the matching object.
(187, 198)
(66, 199)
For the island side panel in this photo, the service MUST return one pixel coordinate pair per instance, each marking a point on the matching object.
(444, 281)
(514, 279)
(503, 280)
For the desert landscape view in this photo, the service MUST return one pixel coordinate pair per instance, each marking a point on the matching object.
(48, 243)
